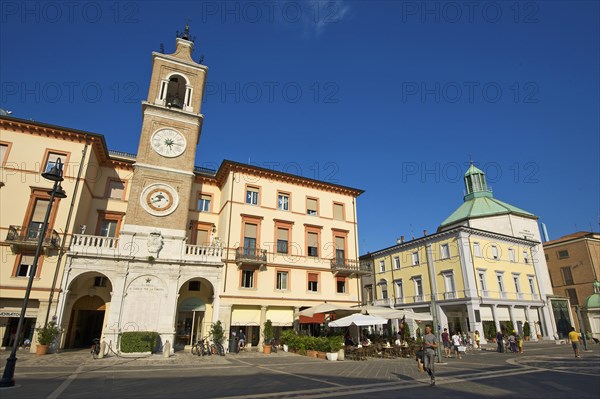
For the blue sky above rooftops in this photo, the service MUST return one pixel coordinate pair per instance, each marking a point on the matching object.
(393, 97)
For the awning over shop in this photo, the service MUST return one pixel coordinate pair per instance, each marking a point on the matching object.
(245, 316)
(281, 317)
(519, 314)
(486, 313)
(318, 318)
(502, 314)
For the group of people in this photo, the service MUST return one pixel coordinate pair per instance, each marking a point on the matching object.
(506, 342)
(459, 343)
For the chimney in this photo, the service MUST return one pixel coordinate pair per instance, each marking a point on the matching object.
(401, 238)
(424, 233)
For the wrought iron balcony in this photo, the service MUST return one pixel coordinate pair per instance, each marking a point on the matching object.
(349, 266)
(26, 238)
(250, 256)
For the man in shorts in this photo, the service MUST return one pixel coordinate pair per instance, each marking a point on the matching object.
(575, 337)
(430, 344)
(446, 342)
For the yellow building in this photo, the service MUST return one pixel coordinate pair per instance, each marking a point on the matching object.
(151, 242)
(482, 269)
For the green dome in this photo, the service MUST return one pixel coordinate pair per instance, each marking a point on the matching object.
(593, 301)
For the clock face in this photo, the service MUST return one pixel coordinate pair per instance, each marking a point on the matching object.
(168, 142)
(159, 199)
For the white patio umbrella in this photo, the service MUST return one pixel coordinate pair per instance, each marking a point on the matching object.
(358, 319)
(326, 308)
(389, 313)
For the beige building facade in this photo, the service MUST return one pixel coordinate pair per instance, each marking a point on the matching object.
(150, 242)
(574, 265)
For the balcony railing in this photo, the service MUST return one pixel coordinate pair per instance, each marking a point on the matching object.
(419, 298)
(28, 236)
(251, 256)
(382, 302)
(82, 244)
(398, 301)
(348, 266)
(450, 295)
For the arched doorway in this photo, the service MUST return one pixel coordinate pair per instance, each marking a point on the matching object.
(87, 320)
(194, 312)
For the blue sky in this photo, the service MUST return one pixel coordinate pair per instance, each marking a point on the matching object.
(392, 97)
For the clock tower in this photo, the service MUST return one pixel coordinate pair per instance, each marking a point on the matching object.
(171, 124)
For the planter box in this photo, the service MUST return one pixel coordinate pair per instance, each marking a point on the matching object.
(311, 353)
(333, 356)
(41, 350)
(322, 355)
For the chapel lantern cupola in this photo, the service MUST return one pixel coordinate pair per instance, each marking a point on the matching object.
(475, 183)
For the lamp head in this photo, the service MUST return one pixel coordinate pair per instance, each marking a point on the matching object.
(55, 173)
(58, 192)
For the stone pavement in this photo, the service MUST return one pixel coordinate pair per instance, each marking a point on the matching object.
(545, 370)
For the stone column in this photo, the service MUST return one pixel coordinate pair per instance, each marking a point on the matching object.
(533, 336)
(511, 312)
(495, 316)
(113, 325)
(263, 318)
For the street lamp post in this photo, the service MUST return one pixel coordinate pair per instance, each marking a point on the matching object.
(55, 175)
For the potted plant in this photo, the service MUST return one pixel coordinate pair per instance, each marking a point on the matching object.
(217, 333)
(45, 336)
(287, 338)
(526, 331)
(336, 344)
(268, 335)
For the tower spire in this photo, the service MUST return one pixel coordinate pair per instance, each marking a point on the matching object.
(185, 35)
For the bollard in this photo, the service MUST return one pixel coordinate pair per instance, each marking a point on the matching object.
(102, 348)
(167, 349)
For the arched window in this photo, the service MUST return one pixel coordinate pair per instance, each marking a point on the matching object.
(176, 92)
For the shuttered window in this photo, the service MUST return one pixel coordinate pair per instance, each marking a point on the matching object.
(282, 240)
(311, 206)
(313, 244)
(204, 203)
(313, 282)
(338, 211)
(202, 237)
(116, 189)
(340, 248)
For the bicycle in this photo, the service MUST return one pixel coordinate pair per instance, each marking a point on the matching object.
(199, 348)
(95, 349)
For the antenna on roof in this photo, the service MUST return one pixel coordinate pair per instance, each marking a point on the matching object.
(162, 48)
(412, 233)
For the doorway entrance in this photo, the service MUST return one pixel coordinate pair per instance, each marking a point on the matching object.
(87, 320)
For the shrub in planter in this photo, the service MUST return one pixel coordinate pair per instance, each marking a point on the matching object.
(216, 332)
(526, 331)
(138, 341)
(335, 343)
(47, 334)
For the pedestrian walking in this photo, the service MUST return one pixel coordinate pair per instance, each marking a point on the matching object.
(430, 344)
(500, 341)
(477, 339)
(456, 341)
(575, 337)
(446, 343)
(512, 341)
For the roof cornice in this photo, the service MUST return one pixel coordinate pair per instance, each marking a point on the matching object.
(232, 166)
(450, 232)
